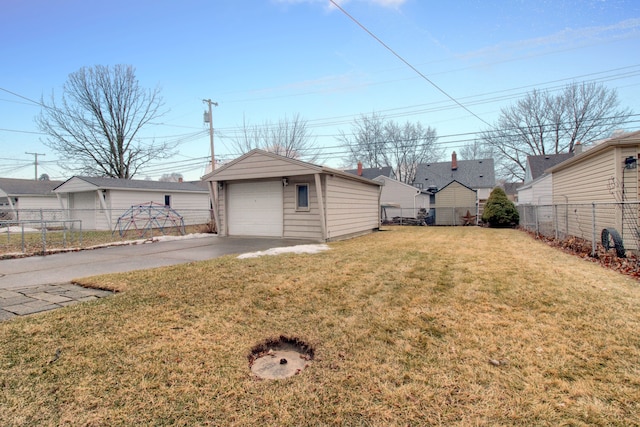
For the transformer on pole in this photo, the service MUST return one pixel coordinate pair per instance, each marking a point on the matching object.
(208, 119)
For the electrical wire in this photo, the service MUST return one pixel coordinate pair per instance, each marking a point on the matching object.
(408, 64)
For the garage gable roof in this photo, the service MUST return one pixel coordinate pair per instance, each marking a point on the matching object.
(89, 183)
(459, 183)
(26, 187)
(259, 164)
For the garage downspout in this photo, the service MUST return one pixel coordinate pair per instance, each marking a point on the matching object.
(213, 193)
(12, 207)
(380, 207)
(323, 223)
(103, 205)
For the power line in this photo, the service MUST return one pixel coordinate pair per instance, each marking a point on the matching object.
(408, 64)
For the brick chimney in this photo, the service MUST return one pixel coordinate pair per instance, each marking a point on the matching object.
(180, 179)
(359, 168)
(454, 161)
(577, 147)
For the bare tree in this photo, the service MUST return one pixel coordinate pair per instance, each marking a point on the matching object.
(97, 122)
(171, 177)
(367, 141)
(288, 138)
(377, 143)
(476, 150)
(544, 123)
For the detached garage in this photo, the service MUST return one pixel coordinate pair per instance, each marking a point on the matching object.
(266, 195)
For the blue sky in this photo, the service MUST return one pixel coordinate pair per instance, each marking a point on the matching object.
(264, 60)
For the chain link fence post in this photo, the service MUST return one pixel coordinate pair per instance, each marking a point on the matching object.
(594, 244)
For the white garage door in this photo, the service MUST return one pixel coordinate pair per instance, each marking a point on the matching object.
(255, 209)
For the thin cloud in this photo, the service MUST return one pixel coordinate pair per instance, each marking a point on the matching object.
(384, 3)
(565, 38)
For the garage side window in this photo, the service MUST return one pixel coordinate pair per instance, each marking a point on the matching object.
(302, 197)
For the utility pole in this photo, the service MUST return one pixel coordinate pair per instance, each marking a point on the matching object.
(36, 162)
(209, 119)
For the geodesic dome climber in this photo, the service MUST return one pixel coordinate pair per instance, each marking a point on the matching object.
(147, 217)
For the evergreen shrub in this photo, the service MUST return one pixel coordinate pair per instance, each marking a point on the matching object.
(499, 211)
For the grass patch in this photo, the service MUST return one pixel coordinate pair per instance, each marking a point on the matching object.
(413, 326)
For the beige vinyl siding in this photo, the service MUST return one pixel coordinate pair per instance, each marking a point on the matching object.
(352, 207)
(600, 179)
(259, 166)
(301, 224)
(581, 184)
(453, 202)
(586, 181)
(222, 210)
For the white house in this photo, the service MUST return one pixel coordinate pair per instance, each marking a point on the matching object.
(264, 194)
(537, 187)
(25, 199)
(99, 202)
(408, 198)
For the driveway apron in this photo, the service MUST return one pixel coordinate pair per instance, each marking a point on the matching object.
(40, 283)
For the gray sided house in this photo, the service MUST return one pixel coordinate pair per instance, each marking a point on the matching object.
(99, 202)
(264, 194)
(24, 199)
(458, 186)
(606, 174)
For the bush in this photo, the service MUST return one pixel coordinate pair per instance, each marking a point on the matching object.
(499, 210)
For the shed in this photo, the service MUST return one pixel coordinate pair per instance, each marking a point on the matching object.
(26, 199)
(408, 199)
(456, 204)
(265, 194)
(99, 202)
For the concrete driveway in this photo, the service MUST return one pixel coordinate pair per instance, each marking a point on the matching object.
(33, 284)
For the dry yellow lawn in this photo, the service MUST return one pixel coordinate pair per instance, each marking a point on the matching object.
(410, 326)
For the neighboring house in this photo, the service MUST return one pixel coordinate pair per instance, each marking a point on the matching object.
(371, 173)
(99, 202)
(606, 173)
(470, 176)
(408, 199)
(511, 190)
(264, 194)
(25, 199)
(455, 205)
(537, 186)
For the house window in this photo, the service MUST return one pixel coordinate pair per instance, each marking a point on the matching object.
(302, 197)
(167, 200)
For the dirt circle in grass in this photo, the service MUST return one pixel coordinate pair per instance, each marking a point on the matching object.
(278, 358)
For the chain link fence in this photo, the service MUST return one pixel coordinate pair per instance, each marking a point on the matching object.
(29, 231)
(613, 225)
(447, 216)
